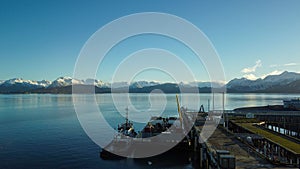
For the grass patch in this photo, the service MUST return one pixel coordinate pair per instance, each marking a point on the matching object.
(290, 145)
(244, 120)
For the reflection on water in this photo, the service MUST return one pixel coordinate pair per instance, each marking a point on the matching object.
(42, 131)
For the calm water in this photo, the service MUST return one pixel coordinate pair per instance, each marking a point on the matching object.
(42, 131)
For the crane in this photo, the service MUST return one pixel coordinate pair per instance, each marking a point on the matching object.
(178, 109)
(201, 110)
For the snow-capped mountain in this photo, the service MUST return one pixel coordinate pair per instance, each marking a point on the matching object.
(283, 78)
(142, 84)
(270, 81)
(65, 81)
(44, 83)
(97, 83)
(119, 84)
(20, 85)
(242, 82)
(287, 81)
(20, 81)
(138, 84)
(204, 84)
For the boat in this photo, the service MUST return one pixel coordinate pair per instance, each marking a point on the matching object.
(127, 141)
(160, 133)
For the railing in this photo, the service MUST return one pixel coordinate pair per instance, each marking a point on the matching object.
(273, 113)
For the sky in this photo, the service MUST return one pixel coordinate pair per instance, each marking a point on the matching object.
(42, 39)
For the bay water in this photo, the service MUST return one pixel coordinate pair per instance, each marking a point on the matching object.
(43, 131)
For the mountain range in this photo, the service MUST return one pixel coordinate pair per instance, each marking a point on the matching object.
(286, 82)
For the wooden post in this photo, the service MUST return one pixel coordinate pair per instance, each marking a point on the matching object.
(201, 157)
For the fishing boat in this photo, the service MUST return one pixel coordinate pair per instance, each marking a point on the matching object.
(160, 133)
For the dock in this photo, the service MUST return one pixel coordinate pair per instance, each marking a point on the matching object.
(228, 139)
(244, 157)
(247, 143)
(275, 147)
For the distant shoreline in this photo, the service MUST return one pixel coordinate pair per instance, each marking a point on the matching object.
(162, 88)
(264, 108)
(63, 93)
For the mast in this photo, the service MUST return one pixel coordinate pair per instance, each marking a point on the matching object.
(213, 101)
(126, 120)
(178, 109)
(208, 105)
(224, 113)
(223, 101)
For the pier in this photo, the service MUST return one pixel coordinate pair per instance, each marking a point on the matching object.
(237, 139)
(241, 142)
(285, 122)
(270, 136)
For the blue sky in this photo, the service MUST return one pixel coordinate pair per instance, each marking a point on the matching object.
(42, 39)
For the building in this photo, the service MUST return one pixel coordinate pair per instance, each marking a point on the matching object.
(292, 103)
